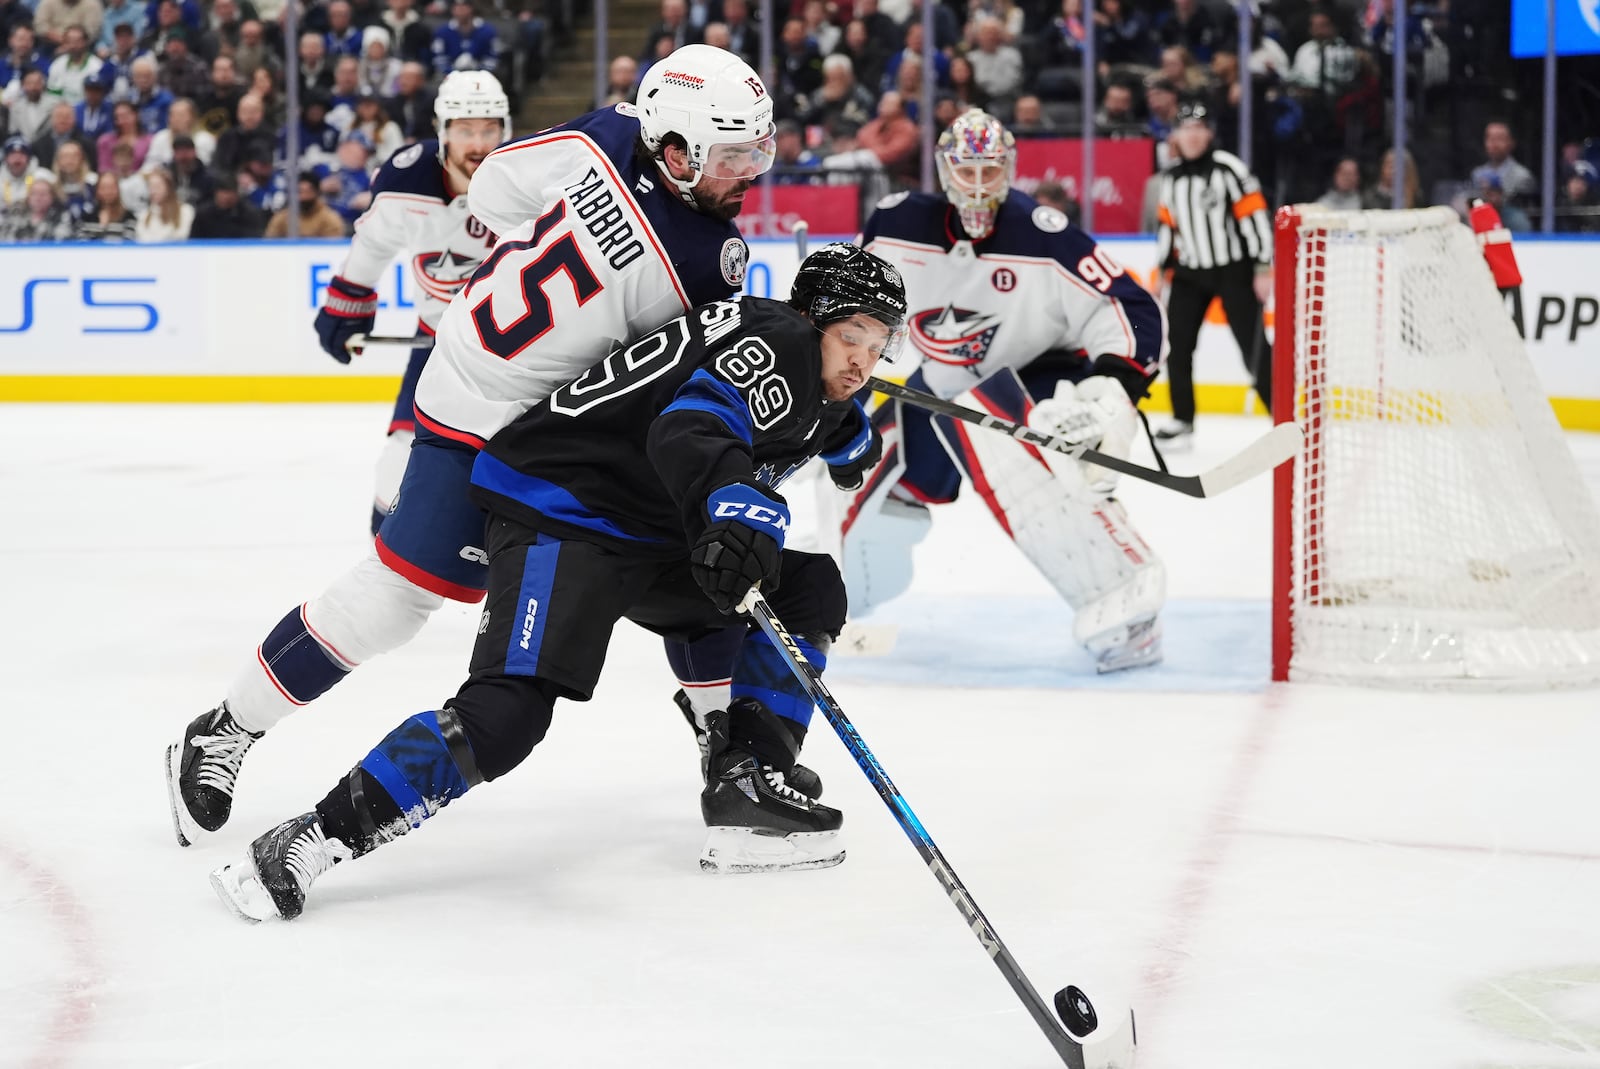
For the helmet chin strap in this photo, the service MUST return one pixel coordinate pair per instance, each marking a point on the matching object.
(685, 189)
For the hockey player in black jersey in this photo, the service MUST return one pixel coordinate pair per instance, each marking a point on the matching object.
(644, 489)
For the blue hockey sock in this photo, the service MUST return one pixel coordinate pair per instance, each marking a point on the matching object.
(762, 672)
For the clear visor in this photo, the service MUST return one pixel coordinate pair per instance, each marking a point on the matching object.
(882, 340)
(748, 159)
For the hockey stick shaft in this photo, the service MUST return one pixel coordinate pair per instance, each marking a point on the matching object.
(357, 342)
(1259, 457)
(1070, 1050)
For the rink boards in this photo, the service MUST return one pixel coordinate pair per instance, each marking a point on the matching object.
(232, 321)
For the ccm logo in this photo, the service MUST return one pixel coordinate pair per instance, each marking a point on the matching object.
(754, 513)
(474, 554)
(118, 313)
(528, 619)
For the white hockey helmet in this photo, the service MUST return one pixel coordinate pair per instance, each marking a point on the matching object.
(714, 101)
(977, 161)
(470, 95)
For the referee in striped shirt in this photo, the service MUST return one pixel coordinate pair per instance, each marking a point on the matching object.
(1215, 234)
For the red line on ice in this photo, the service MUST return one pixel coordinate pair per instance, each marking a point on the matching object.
(73, 1015)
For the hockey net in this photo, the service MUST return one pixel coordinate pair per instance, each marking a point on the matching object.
(1435, 529)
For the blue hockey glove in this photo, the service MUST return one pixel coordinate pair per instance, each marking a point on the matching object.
(849, 465)
(349, 309)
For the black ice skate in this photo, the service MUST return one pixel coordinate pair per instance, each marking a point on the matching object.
(757, 821)
(272, 879)
(801, 778)
(202, 768)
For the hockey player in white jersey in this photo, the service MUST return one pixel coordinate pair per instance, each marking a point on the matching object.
(419, 211)
(1015, 311)
(621, 220)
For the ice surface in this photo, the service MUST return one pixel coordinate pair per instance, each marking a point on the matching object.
(1274, 877)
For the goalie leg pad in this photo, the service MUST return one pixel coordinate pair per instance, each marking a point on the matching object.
(878, 530)
(367, 611)
(1081, 542)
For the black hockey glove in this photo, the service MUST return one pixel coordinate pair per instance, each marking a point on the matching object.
(740, 547)
(848, 467)
(349, 309)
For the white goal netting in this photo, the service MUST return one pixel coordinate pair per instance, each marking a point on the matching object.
(1442, 534)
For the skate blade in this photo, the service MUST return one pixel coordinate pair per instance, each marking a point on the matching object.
(731, 850)
(183, 825)
(240, 889)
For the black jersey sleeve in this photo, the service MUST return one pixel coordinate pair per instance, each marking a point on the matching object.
(753, 401)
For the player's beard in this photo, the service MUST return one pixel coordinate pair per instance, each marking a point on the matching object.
(843, 386)
(726, 205)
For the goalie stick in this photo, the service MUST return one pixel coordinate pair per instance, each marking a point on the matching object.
(1114, 1047)
(1259, 457)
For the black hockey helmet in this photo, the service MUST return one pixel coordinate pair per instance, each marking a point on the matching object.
(840, 280)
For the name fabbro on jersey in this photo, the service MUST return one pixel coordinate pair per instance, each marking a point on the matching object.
(603, 217)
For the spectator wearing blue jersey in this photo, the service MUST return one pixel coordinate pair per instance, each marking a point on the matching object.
(119, 61)
(464, 43)
(319, 139)
(21, 55)
(347, 184)
(344, 93)
(93, 113)
(128, 13)
(151, 100)
(343, 37)
(793, 164)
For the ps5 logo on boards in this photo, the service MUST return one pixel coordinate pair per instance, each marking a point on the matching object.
(102, 304)
(528, 619)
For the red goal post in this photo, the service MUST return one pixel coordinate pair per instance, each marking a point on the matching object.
(1434, 529)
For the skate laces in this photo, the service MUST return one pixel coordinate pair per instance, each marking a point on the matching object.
(311, 854)
(781, 788)
(221, 756)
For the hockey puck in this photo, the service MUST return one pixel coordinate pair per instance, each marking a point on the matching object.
(1076, 1011)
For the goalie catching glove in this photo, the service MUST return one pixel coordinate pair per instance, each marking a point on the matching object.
(1095, 413)
(348, 309)
(741, 547)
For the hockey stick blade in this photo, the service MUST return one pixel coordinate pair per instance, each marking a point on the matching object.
(1258, 458)
(1080, 1046)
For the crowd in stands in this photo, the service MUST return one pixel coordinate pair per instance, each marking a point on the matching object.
(163, 119)
(849, 73)
(166, 120)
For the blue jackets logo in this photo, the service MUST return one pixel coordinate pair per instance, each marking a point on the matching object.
(116, 304)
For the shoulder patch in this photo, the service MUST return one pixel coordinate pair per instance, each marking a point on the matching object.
(1049, 219)
(735, 254)
(625, 108)
(893, 199)
(407, 157)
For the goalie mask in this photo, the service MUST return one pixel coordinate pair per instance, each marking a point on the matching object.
(717, 104)
(977, 160)
(840, 280)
